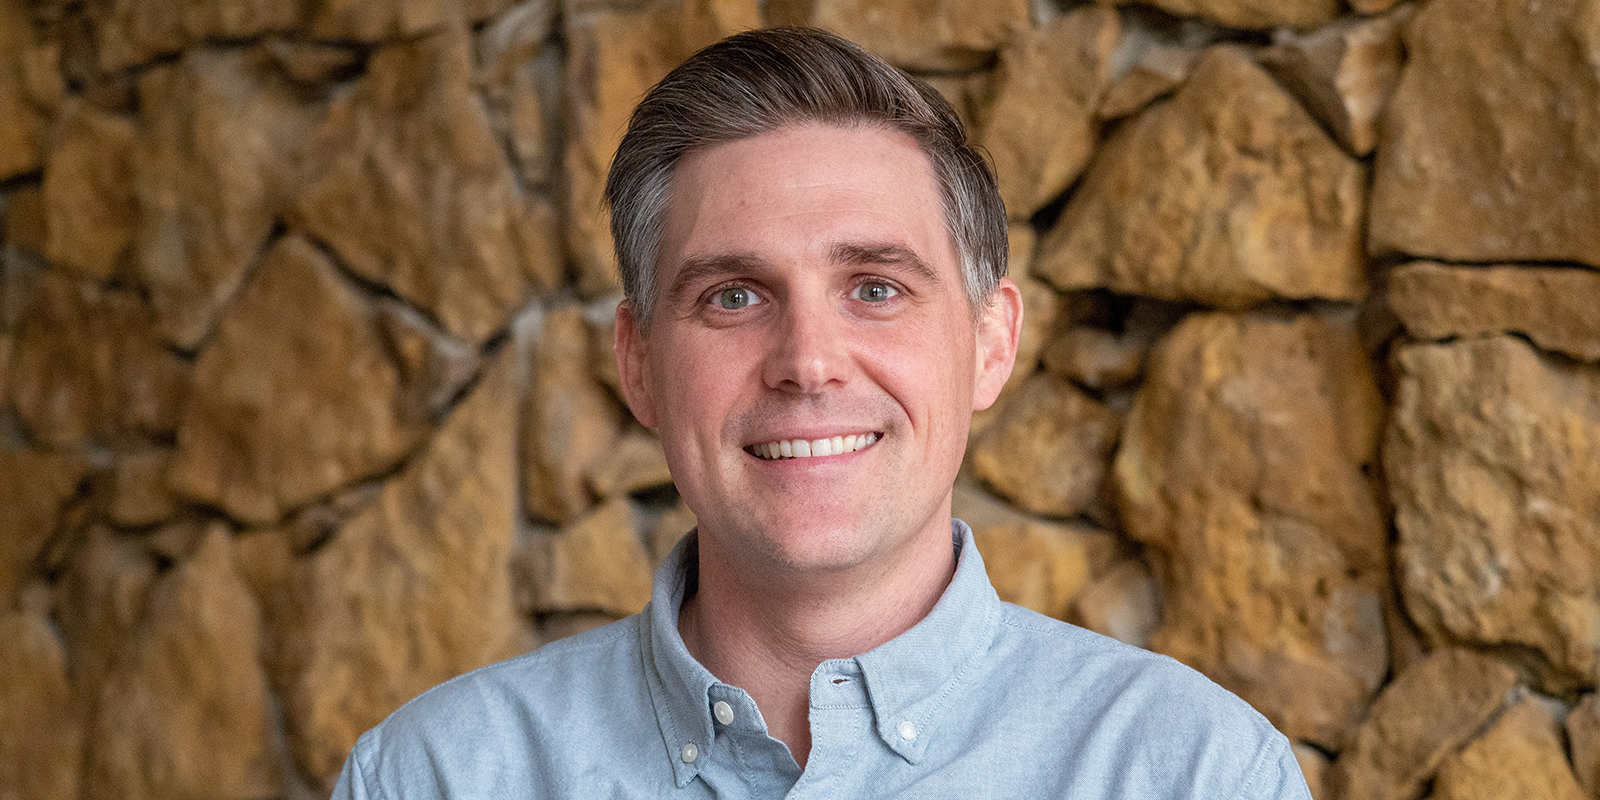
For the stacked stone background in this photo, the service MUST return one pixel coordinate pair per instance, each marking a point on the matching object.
(308, 402)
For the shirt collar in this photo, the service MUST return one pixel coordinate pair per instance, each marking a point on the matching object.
(911, 679)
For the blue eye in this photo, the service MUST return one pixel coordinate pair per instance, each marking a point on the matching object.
(734, 298)
(874, 292)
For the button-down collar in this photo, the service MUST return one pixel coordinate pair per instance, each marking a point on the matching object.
(910, 679)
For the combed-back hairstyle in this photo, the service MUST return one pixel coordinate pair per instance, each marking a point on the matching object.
(758, 81)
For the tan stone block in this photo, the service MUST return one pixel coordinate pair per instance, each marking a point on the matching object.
(1344, 73)
(1255, 14)
(88, 366)
(636, 463)
(1034, 563)
(181, 709)
(1555, 307)
(139, 494)
(1583, 738)
(1050, 449)
(414, 589)
(389, 20)
(41, 736)
(1520, 757)
(597, 564)
(1228, 194)
(613, 58)
(570, 421)
(25, 220)
(285, 408)
(1490, 149)
(521, 79)
(1124, 603)
(89, 207)
(1419, 720)
(1242, 466)
(23, 123)
(312, 63)
(1095, 357)
(945, 35)
(1156, 72)
(562, 625)
(132, 32)
(1493, 462)
(1040, 129)
(1042, 306)
(212, 170)
(410, 188)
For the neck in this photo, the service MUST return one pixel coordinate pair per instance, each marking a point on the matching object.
(766, 633)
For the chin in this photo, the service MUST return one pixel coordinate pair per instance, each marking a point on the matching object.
(808, 542)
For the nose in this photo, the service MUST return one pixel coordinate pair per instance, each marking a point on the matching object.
(809, 350)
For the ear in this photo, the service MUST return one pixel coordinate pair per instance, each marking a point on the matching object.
(629, 344)
(999, 330)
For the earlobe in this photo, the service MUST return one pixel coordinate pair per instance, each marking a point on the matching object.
(630, 347)
(999, 331)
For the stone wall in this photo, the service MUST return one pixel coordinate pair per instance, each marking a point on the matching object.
(308, 401)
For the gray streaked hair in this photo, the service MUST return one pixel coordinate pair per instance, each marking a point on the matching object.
(758, 81)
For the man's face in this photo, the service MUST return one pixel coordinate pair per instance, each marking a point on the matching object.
(809, 296)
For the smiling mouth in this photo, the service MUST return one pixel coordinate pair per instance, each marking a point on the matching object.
(812, 448)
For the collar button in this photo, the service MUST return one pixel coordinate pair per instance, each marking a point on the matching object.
(907, 730)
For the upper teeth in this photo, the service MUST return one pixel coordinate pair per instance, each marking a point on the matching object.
(807, 448)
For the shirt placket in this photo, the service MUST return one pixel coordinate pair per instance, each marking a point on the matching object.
(841, 721)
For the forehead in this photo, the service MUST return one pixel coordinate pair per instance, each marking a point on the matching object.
(799, 192)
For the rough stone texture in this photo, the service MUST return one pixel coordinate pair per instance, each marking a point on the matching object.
(1034, 563)
(1493, 461)
(1228, 194)
(23, 122)
(41, 737)
(411, 189)
(614, 57)
(1422, 717)
(636, 463)
(1314, 767)
(597, 564)
(89, 366)
(182, 709)
(212, 169)
(136, 31)
(1554, 307)
(1491, 144)
(1258, 14)
(1124, 603)
(1095, 357)
(1520, 757)
(570, 422)
(24, 224)
(414, 589)
(139, 494)
(1241, 466)
(88, 190)
(288, 407)
(1344, 72)
(941, 35)
(1049, 449)
(1040, 129)
(1583, 739)
(386, 20)
(1157, 71)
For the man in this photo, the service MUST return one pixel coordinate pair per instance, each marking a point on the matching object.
(814, 264)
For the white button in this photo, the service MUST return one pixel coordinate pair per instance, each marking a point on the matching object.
(690, 753)
(723, 711)
(907, 730)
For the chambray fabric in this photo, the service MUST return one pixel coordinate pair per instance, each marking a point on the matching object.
(1001, 703)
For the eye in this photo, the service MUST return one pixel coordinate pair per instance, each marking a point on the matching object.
(874, 291)
(734, 298)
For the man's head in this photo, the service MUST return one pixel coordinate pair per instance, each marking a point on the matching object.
(816, 343)
(759, 81)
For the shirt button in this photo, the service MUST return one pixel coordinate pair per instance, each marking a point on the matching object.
(907, 731)
(723, 711)
(690, 753)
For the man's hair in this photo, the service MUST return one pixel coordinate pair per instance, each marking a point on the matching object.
(758, 81)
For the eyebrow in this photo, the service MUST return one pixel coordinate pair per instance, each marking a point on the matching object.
(701, 269)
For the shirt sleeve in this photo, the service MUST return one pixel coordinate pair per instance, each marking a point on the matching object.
(1276, 775)
(352, 783)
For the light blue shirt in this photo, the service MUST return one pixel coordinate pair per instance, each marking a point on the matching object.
(981, 699)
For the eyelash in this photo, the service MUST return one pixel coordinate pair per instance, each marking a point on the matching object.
(860, 281)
